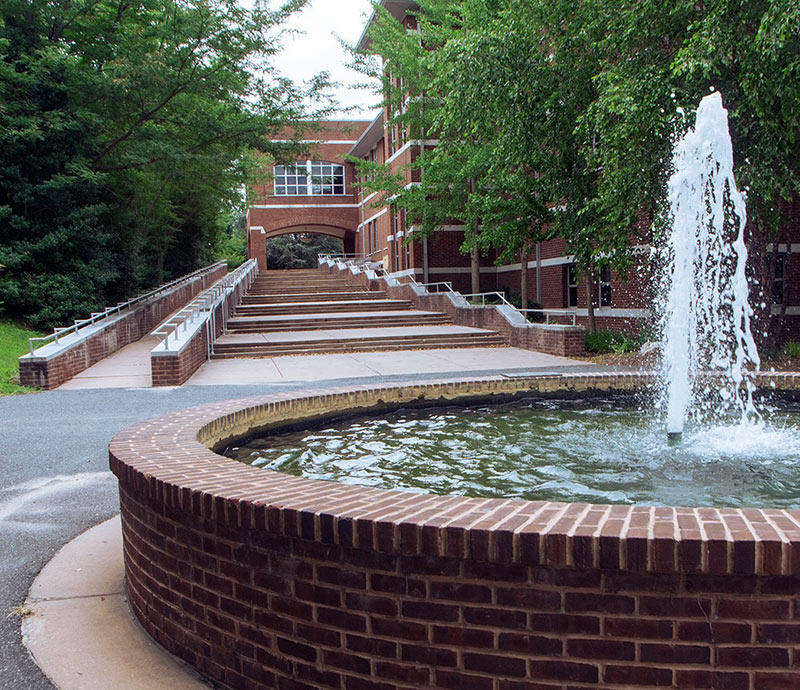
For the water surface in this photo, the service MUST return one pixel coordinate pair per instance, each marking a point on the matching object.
(600, 452)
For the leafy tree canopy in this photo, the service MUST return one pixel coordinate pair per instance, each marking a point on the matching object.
(557, 119)
(127, 131)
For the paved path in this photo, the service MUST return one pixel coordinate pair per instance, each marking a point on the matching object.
(130, 367)
(56, 484)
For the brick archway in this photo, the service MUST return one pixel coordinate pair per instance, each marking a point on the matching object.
(330, 230)
(257, 237)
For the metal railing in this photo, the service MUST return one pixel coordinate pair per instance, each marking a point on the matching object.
(568, 313)
(356, 259)
(441, 286)
(206, 303)
(96, 317)
(483, 297)
(493, 299)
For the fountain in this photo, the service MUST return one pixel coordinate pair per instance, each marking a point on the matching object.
(719, 450)
(258, 578)
(707, 315)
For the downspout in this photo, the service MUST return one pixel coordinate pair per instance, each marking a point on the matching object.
(539, 273)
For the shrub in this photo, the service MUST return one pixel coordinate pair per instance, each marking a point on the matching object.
(611, 341)
(792, 349)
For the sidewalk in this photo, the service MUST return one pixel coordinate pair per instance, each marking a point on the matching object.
(130, 367)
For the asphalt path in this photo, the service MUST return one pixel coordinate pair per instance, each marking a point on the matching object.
(55, 482)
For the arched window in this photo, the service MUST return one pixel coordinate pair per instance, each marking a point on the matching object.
(309, 178)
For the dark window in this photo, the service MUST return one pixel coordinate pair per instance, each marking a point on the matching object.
(572, 285)
(780, 279)
(605, 286)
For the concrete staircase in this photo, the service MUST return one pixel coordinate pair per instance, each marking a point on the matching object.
(302, 312)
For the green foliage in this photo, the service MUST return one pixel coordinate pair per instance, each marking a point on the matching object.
(611, 341)
(300, 250)
(13, 344)
(232, 242)
(557, 118)
(791, 350)
(126, 136)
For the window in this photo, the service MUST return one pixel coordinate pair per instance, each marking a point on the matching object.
(398, 239)
(291, 180)
(780, 279)
(309, 178)
(605, 286)
(572, 285)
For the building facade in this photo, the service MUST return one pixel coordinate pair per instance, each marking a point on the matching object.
(315, 196)
(381, 232)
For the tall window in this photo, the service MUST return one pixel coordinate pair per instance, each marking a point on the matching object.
(780, 279)
(605, 286)
(317, 178)
(572, 285)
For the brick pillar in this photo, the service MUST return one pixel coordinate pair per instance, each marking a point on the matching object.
(349, 243)
(257, 246)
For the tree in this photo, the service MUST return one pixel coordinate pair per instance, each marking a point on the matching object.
(300, 250)
(128, 130)
(556, 118)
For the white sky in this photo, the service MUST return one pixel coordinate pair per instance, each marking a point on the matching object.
(317, 49)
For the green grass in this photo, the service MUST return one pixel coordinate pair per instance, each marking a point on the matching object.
(13, 343)
(612, 341)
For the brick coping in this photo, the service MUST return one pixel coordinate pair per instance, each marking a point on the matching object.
(170, 459)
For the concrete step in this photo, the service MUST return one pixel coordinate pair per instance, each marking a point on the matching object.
(322, 346)
(328, 307)
(314, 322)
(282, 297)
(301, 283)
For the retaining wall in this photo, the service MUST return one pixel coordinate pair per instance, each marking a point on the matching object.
(564, 341)
(263, 580)
(175, 367)
(55, 363)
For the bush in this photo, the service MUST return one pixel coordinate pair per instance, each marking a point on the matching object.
(611, 341)
(792, 349)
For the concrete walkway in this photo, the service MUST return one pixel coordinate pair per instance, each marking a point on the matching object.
(75, 622)
(78, 627)
(130, 367)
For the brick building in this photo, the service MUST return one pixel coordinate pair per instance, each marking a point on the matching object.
(297, 204)
(315, 196)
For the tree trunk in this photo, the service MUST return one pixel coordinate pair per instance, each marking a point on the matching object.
(590, 326)
(523, 277)
(475, 269)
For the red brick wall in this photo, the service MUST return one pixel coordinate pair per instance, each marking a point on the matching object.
(131, 327)
(564, 342)
(176, 368)
(259, 579)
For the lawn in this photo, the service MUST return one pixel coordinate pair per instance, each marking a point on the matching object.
(13, 343)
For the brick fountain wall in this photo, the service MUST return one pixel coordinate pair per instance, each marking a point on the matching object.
(263, 580)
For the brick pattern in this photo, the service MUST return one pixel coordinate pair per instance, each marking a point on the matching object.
(132, 326)
(562, 341)
(260, 579)
(176, 368)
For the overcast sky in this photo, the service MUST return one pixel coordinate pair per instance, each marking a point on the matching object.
(317, 49)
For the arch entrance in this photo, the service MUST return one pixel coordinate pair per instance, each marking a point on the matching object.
(273, 246)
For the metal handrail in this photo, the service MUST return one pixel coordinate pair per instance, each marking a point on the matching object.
(548, 312)
(446, 283)
(496, 295)
(351, 257)
(484, 295)
(207, 302)
(95, 317)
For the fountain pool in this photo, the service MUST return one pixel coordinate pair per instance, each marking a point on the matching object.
(258, 578)
(593, 450)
